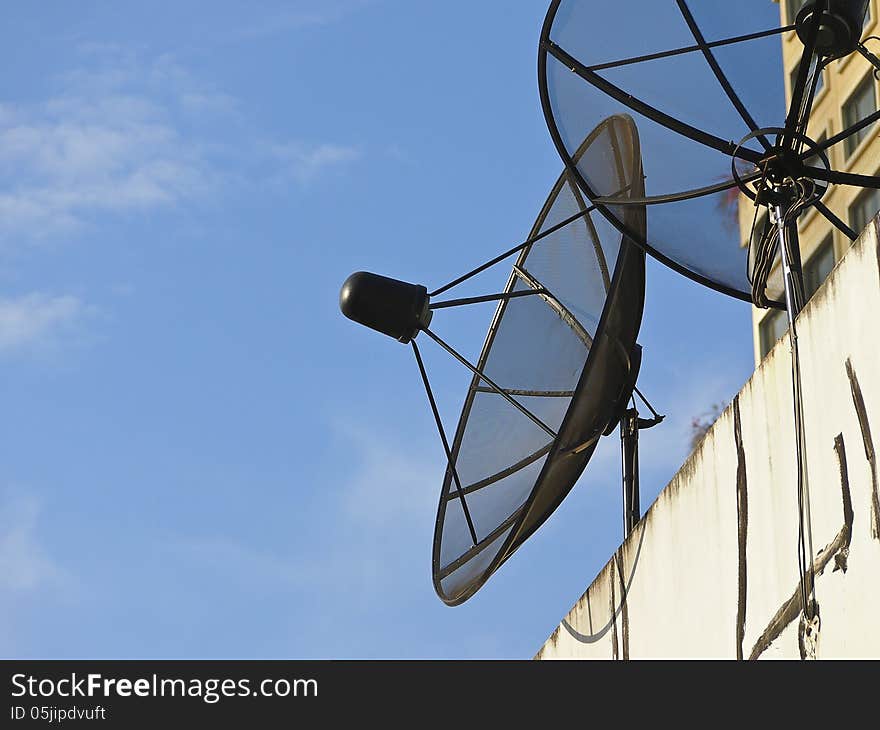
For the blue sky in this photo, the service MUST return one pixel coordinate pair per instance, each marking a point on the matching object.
(201, 457)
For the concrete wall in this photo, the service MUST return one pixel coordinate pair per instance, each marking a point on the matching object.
(712, 568)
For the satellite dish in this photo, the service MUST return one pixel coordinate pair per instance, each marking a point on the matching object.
(570, 356)
(707, 90)
(558, 365)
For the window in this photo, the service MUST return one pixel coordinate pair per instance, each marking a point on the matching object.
(772, 327)
(863, 209)
(862, 103)
(816, 270)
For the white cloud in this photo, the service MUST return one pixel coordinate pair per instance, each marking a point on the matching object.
(201, 102)
(304, 163)
(127, 134)
(36, 318)
(109, 141)
(31, 578)
(90, 151)
(307, 15)
(281, 22)
(389, 486)
(25, 566)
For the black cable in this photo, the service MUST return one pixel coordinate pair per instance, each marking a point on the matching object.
(794, 303)
(764, 254)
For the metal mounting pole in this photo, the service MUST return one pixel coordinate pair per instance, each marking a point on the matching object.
(629, 451)
(630, 425)
(792, 305)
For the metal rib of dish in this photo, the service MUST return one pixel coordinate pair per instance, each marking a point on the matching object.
(706, 82)
(568, 354)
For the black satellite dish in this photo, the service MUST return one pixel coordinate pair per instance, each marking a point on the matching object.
(707, 91)
(557, 368)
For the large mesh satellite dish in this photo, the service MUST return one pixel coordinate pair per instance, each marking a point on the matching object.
(557, 368)
(708, 89)
(569, 356)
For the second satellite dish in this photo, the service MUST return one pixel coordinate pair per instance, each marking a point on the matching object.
(568, 355)
(557, 368)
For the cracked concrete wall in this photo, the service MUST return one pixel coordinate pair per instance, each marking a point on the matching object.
(712, 568)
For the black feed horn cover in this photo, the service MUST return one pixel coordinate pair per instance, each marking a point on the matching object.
(394, 308)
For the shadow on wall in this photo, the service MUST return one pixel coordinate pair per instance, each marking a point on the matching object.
(617, 609)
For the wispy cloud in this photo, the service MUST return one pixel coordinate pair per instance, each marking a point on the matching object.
(285, 21)
(302, 15)
(388, 486)
(205, 102)
(37, 319)
(101, 145)
(32, 579)
(126, 134)
(305, 163)
(25, 565)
